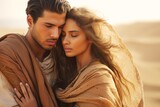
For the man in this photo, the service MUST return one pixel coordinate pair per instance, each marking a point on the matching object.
(29, 58)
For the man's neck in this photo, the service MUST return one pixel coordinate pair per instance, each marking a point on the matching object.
(38, 51)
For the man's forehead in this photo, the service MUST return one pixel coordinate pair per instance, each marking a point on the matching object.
(53, 18)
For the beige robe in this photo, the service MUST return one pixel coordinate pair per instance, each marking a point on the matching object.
(95, 87)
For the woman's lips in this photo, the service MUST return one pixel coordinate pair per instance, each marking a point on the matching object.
(67, 49)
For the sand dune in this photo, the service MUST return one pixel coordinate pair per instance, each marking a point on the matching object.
(148, 63)
(143, 40)
(4, 31)
(147, 29)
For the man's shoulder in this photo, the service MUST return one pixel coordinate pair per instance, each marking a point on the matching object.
(13, 36)
(10, 40)
(12, 43)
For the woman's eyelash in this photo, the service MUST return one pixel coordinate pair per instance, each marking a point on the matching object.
(74, 35)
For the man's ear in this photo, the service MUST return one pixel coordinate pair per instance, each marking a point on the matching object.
(29, 20)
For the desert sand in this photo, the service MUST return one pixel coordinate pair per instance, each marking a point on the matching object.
(146, 56)
(143, 41)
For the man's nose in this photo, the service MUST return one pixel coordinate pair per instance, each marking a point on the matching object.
(55, 33)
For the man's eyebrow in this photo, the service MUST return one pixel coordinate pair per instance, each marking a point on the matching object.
(62, 25)
(74, 31)
(49, 24)
(54, 24)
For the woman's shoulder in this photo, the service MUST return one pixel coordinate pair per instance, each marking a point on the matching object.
(98, 66)
(97, 69)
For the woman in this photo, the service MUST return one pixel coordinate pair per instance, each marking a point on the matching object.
(95, 68)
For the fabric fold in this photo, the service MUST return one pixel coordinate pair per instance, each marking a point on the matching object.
(18, 64)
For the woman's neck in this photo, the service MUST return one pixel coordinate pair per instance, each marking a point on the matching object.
(83, 61)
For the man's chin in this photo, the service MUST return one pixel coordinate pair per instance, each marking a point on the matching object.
(49, 47)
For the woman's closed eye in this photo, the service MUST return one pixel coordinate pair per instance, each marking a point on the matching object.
(74, 35)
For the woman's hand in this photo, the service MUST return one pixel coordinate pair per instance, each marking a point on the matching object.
(27, 99)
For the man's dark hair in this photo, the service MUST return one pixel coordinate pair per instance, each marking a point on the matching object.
(36, 7)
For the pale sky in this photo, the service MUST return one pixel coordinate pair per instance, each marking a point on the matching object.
(114, 11)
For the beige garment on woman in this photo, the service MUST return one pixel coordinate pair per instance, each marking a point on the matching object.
(95, 87)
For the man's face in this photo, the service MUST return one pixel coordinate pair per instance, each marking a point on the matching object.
(46, 30)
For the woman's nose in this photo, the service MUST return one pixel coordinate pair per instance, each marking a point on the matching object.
(65, 40)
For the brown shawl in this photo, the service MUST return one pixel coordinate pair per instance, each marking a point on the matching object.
(95, 87)
(18, 64)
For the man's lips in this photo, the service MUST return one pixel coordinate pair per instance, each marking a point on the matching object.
(51, 42)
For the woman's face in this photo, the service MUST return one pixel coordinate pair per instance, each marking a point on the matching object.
(74, 40)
